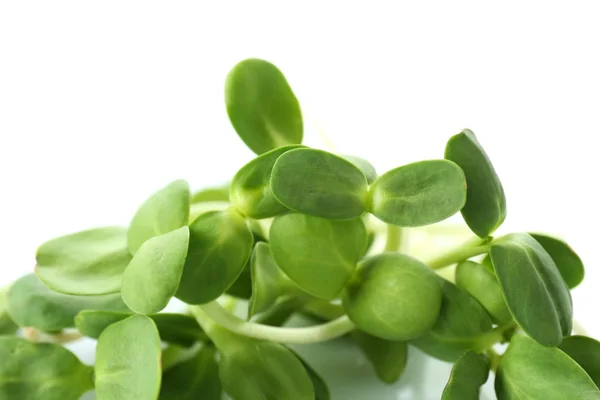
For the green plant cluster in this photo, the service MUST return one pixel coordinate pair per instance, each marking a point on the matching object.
(293, 234)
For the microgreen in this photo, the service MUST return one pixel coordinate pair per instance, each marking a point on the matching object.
(300, 231)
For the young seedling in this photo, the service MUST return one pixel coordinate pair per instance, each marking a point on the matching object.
(296, 233)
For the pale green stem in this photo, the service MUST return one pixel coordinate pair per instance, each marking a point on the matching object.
(313, 334)
(471, 248)
(494, 359)
(394, 238)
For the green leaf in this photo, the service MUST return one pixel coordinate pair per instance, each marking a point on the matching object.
(211, 194)
(387, 357)
(173, 328)
(255, 370)
(128, 360)
(418, 194)
(268, 281)
(529, 370)
(7, 326)
(30, 303)
(319, 183)
(152, 277)
(463, 324)
(196, 378)
(393, 296)
(482, 284)
(262, 107)
(166, 210)
(45, 371)
(567, 261)
(90, 262)
(485, 209)
(536, 295)
(366, 167)
(220, 245)
(586, 352)
(319, 385)
(317, 254)
(469, 373)
(250, 188)
(242, 287)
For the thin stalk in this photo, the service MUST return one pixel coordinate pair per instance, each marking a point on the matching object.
(470, 248)
(494, 359)
(394, 238)
(313, 334)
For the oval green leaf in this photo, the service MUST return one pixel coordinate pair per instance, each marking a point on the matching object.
(394, 297)
(262, 106)
(485, 209)
(173, 328)
(567, 261)
(482, 284)
(196, 378)
(535, 292)
(30, 303)
(419, 194)
(219, 248)
(529, 370)
(254, 370)
(90, 262)
(366, 167)
(319, 183)
(319, 385)
(128, 360)
(211, 194)
(166, 210)
(152, 277)
(317, 254)
(469, 373)
(387, 357)
(268, 281)
(250, 189)
(463, 324)
(586, 352)
(45, 371)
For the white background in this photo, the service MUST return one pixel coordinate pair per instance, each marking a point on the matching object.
(102, 103)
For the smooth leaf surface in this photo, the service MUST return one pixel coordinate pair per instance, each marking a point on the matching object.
(196, 378)
(566, 260)
(128, 360)
(366, 167)
(172, 328)
(319, 183)
(45, 371)
(256, 370)
(586, 352)
(242, 287)
(469, 373)
(251, 190)
(268, 281)
(418, 194)
(166, 210)
(262, 106)
(7, 326)
(535, 292)
(387, 357)
(317, 254)
(485, 209)
(482, 284)
(211, 194)
(529, 370)
(30, 303)
(219, 248)
(90, 262)
(393, 296)
(152, 277)
(319, 385)
(463, 324)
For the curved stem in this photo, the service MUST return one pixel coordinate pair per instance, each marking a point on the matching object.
(394, 238)
(313, 334)
(470, 248)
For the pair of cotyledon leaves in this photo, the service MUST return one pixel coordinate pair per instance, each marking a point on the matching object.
(266, 115)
